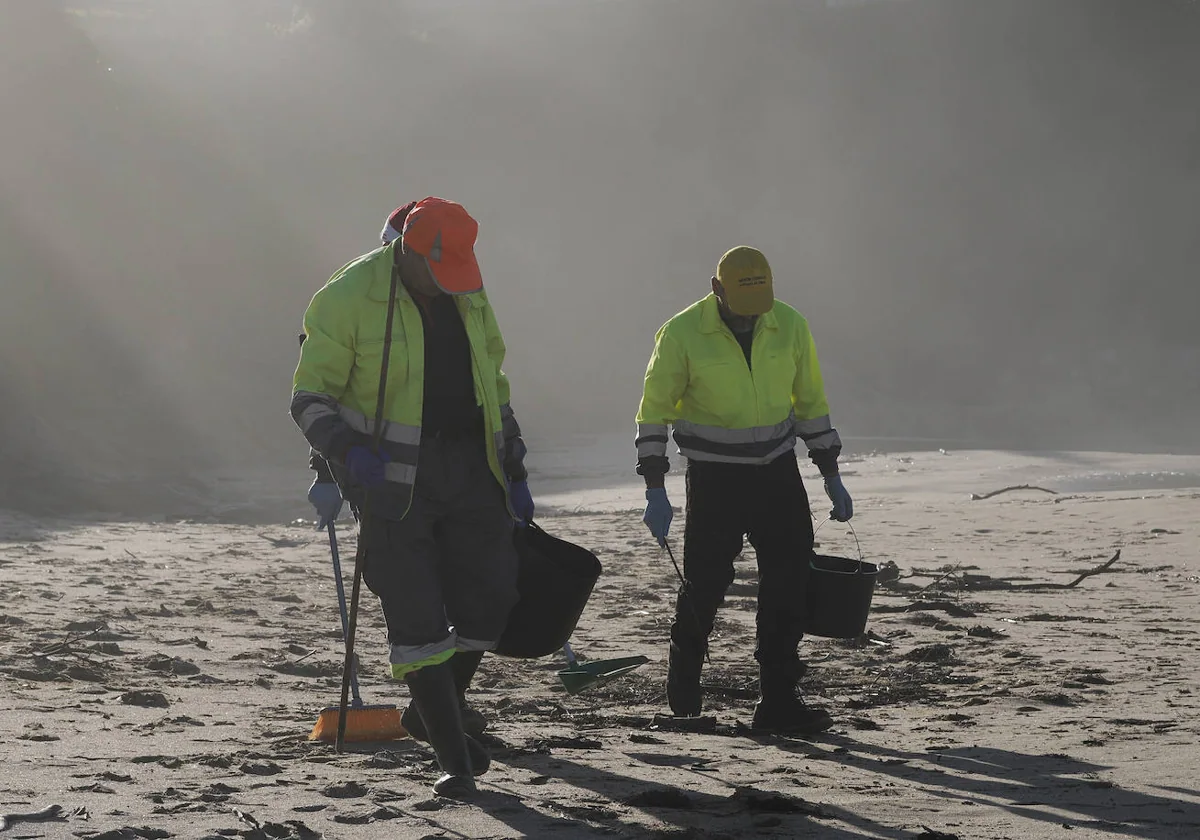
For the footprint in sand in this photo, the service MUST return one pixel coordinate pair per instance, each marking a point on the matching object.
(261, 768)
(381, 814)
(36, 732)
(129, 833)
(145, 699)
(345, 790)
(163, 664)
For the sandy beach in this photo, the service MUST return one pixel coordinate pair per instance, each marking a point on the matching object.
(160, 678)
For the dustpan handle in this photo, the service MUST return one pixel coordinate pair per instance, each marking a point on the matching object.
(857, 545)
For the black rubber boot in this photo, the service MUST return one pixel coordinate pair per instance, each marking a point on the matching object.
(433, 693)
(473, 721)
(780, 710)
(463, 665)
(684, 665)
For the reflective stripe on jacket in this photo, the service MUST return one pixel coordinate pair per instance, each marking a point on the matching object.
(723, 409)
(336, 383)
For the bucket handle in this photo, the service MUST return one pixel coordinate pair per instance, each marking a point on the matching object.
(857, 545)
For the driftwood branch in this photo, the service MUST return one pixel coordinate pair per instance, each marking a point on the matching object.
(65, 643)
(957, 568)
(975, 497)
(48, 814)
(1103, 567)
(983, 583)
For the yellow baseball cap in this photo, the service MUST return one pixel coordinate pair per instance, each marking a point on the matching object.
(745, 275)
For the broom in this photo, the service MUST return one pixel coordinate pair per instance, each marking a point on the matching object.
(363, 723)
(371, 723)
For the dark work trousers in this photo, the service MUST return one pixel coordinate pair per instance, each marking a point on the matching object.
(768, 504)
(445, 574)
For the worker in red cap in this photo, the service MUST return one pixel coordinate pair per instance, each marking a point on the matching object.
(736, 376)
(326, 498)
(447, 480)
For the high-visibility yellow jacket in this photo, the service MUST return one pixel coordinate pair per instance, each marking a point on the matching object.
(336, 384)
(724, 409)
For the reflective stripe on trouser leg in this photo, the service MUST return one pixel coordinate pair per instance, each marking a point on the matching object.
(408, 658)
(466, 645)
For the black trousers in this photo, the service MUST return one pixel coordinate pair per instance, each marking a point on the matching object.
(768, 504)
(446, 574)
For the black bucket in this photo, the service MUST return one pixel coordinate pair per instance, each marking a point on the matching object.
(839, 595)
(555, 580)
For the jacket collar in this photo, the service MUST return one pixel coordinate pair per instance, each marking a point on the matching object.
(710, 317)
(380, 261)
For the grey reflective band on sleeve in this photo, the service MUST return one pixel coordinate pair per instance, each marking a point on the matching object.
(651, 440)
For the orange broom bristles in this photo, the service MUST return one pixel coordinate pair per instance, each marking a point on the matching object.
(363, 723)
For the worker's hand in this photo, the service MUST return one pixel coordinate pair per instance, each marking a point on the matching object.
(658, 513)
(326, 498)
(521, 500)
(365, 466)
(843, 505)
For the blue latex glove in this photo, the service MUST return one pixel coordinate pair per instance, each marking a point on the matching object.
(521, 500)
(658, 513)
(365, 466)
(326, 498)
(843, 505)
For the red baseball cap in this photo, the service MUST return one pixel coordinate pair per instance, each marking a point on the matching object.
(444, 233)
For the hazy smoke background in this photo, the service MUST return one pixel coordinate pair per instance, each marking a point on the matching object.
(988, 210)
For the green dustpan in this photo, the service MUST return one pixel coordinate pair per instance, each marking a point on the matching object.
(580, 676)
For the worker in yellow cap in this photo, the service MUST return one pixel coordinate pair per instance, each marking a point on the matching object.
(736, 375)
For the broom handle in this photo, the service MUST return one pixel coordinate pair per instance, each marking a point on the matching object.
(341, 593)
(360, 555)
